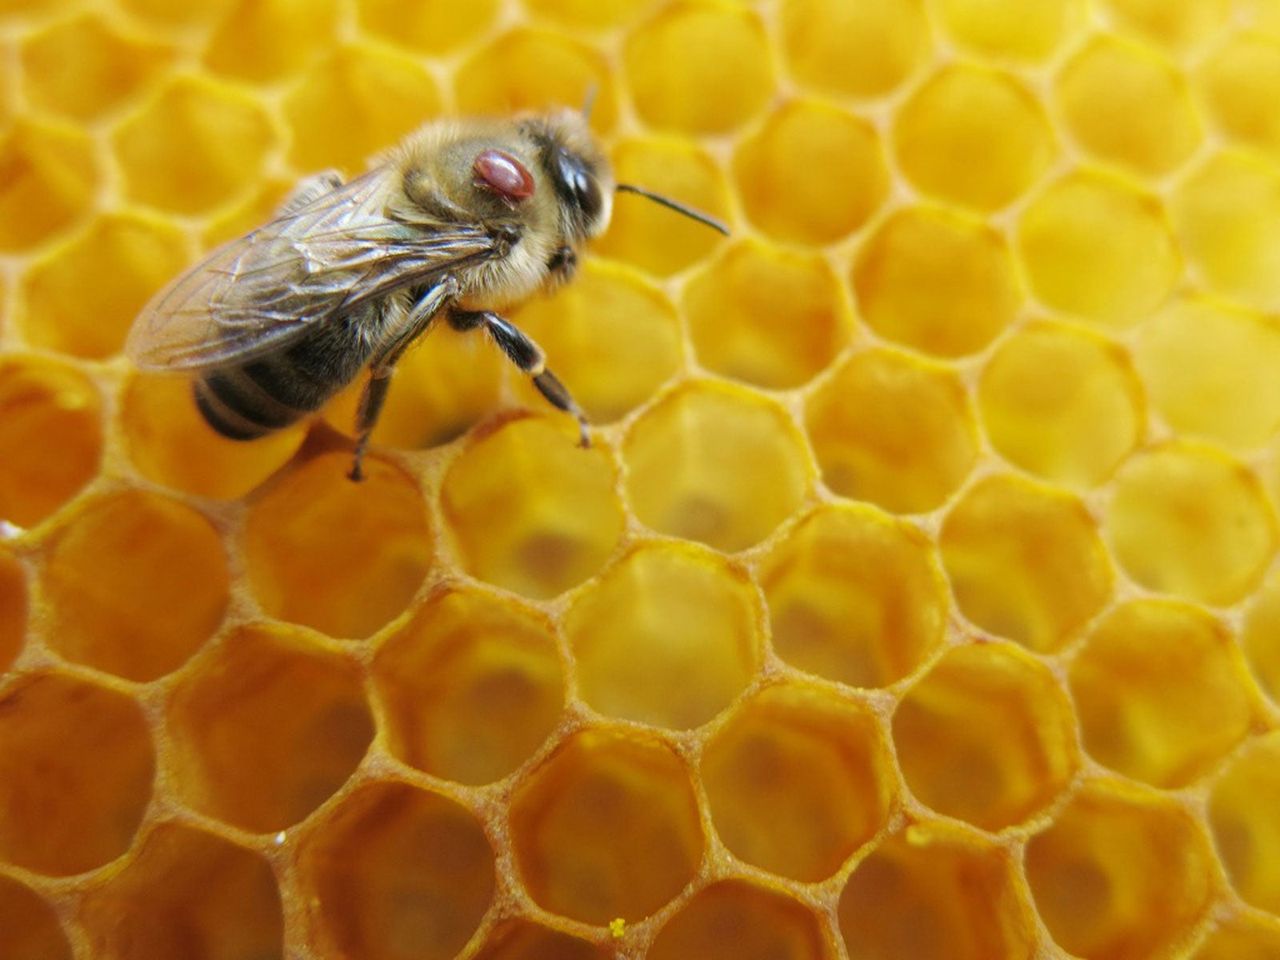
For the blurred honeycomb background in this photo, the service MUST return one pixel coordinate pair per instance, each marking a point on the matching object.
(917, 601)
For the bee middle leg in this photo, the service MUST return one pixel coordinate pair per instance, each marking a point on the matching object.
(526, 355)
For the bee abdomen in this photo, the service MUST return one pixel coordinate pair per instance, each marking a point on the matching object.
(238, 408)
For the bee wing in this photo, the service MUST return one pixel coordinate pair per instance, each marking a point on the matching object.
(264, 290)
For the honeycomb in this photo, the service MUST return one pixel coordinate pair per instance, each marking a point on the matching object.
(918, 597)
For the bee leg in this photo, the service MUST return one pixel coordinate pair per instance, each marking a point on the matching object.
(526, 355)
(309, 189)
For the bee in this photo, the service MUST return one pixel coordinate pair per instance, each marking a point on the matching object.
(457, 222)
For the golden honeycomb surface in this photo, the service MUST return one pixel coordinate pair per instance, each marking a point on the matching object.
(917, 599)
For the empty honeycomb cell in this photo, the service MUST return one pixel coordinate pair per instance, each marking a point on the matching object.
(471, 686)
(1025, 561)
(380, 95)
(1121, 873)
(1125, 104)
(266, 40)
(589, 13)
(676, 85)
(1010, 29)
(1241, 940)
(82, 297)
(193, 147)
(31, 928)
(13, 609)
(1238, 85)
(523, 940)
(1210, 370)
(1095, 248)
(1242, 814)
(530, 510)
(1073, 427)
(735, 920)
(203, 896)
(339, 556)
(84, 68)
(429, 26)
(1260, 637)
(171, 443)
(1228, 219)
(854, 49)
(937, 281)
(611, 336)
(607, 827)
(855, 596)
(987, 736)
(795, 781)
(715, 463)
(963, 113)
(47, 178)
(50, 436)
(642, 232)
(1176, 26)
(267, 729)
(667, 636)
(893, 429)
(812, 174)
(536, 70)
(76, 766)
(1160, 692)
(935, 892)
(1189, 521)
(399, 873)
(125, 557)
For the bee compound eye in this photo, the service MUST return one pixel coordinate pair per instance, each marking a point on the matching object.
(502, 173)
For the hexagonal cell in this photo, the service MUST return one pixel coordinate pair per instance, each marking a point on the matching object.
(267, 729)
(134, 586)
(193, 147)
(1126, 105)
(854, 49)
(735, 920)
(1238, 83)
(1061, 403)
(715, 463)
(1242, 939)
(471, 687)
(13, 609)
(893, 429)
(937, 281)
(399, 873)
(766, 315)
(987, 736)
(338, 556)
(50, 436)
(676, 86)
(936, 891)
(1227, 219)
(1242, 813)
(643, 233)
(965, 112)
(1260, 637)
(611, 336)
(380, 95)
(797, 781)
(1190, 521)
(668, 636)
(1095, 248)
(429, 26)
(1121, 873)
(593, 14)
(1011, 29)
(82, 297)
(607, 827)
(1025, 561)
(186, 893)
(536, 70)
(76, 767)
(83, 67)
(524, 940)
(855, 596)
(31, 928)
(530, 510)
(1161, 692)
(1176, 26)
(267, 40)
(49, 180)
(775, 169)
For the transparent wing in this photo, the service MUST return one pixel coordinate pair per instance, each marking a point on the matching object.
(258, 293)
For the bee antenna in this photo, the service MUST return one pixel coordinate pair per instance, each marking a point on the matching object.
(675, 205)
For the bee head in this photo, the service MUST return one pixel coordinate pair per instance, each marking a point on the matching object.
(576, 169)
